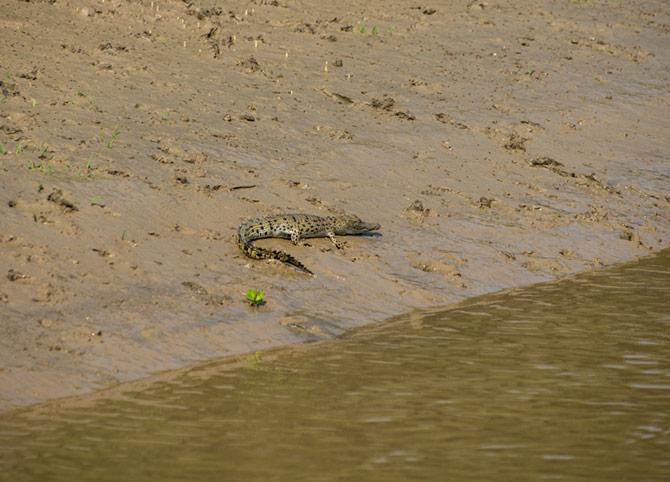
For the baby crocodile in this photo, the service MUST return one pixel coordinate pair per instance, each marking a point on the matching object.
(296, 227)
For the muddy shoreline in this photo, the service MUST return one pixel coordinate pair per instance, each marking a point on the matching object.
(498, 144)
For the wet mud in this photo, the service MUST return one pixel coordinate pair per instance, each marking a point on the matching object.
(497, 143)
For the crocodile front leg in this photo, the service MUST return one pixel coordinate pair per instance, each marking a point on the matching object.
(337, 244)
(296, 239)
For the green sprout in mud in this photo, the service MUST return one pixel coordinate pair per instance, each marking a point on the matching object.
(254, 359)
(44, 151)
(33, 102)
(97, 201)
(115, 136)
(41, 167)
(3, 151)
(255, 297)
(40, 188)
(362, 29)
(19, 148)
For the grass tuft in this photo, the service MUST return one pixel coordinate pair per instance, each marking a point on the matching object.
(114, 137)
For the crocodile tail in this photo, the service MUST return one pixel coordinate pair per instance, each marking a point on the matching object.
(256, 252)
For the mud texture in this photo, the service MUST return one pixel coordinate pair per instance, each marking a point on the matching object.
(498, 143)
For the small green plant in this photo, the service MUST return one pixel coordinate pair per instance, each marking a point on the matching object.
(255, 297)
(375, 31)
(43, 167)
(40, 188)
(115, 136)
(33, 102)
(89, 167)
(3, 151)
(97, 201)
(254, 359)
(361, 27)
(19, 148)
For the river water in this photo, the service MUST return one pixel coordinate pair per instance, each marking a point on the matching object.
(561, 381)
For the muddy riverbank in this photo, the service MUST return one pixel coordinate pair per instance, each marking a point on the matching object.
(497, 143)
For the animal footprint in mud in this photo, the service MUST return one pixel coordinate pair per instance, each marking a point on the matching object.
(416, 211)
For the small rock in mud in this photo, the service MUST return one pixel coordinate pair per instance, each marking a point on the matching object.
(486, 202)
(16, 276)
(114, 48)
(305, 28)
(203, 13)
(405, 115)
(32, 75)
(447, 119)
(384, 104)
(516, 143)
(545, 162)
(251, 65)
(592, 215)
(508, 255)
(631, 235)
(56, 197)
(342, 99)
(8, 88)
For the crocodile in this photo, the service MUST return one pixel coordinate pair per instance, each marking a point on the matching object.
(296, 227)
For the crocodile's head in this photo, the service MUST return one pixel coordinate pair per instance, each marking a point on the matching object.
(351, 224)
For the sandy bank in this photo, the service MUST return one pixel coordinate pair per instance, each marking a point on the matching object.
(498, 144)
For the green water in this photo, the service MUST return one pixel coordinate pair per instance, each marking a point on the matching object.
(562, 381)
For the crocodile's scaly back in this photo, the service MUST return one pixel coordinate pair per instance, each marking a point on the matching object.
(296, 227)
